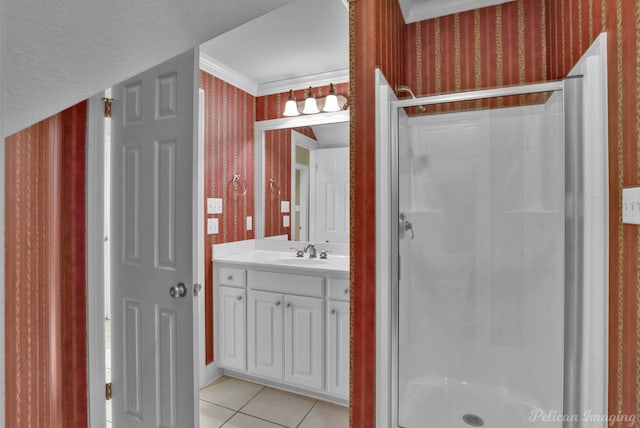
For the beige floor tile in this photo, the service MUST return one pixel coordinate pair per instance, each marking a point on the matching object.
(230, 393)
(326, 415)
(280, 407)
(246, 421)
(212, 416)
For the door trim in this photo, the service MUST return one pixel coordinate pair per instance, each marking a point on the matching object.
(95, 264)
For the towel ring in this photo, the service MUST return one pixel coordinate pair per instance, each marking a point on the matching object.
(274, 188)
(236, 182)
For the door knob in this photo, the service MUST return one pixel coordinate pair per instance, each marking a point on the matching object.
(178, 291)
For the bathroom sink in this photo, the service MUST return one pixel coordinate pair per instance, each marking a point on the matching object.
(301, 261)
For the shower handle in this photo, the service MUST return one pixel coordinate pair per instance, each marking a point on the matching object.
(405, 226)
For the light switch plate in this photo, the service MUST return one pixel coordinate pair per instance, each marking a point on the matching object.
(631, 205)
(209, 205)
(216, 206)
(249, 223)
(285, 221)
(212, 226)
(284, 206)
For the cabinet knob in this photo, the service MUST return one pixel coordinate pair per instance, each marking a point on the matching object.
(346, 291)
(229, 277)
(289, 305)
(277, 303)
(333, 311)
(239, 297)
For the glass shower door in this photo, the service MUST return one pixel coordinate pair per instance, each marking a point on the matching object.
(481, 243)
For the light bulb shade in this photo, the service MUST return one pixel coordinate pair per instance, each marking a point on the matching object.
(331, 103)
(310, 104)
(291, 108)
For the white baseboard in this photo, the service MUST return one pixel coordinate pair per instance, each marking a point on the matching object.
(210, 374)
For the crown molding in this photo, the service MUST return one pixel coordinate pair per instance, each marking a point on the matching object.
(227, 74)
(314, 80)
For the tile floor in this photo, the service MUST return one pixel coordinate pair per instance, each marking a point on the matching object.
(234, 403)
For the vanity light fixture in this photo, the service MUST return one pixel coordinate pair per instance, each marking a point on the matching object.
(312, 105)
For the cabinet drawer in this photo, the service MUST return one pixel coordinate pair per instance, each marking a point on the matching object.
(338, 289)
(286, 283)
(231, 276)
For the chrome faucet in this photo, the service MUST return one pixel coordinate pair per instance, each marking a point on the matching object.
(312, 251)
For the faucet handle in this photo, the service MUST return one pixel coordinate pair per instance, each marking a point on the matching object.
(299, 253)
(323, 254)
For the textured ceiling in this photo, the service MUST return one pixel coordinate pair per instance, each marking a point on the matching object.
(58, 53)
(302, 38)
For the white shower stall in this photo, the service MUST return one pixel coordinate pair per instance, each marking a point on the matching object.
(481, 272)
(492, 307)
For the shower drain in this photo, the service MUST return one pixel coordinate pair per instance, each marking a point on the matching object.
(473, 420)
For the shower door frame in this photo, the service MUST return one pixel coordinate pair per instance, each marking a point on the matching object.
(570, 369)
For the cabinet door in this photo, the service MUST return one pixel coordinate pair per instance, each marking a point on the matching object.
(232, 305)
(265, 334)
(303, 341)
(338, 348)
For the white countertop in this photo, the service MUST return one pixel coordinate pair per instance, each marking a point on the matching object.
(288, 260)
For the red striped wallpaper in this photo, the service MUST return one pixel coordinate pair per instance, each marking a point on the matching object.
(229, 148)
(277, 167)
(271, 106)
(375, 32)
(495, 46)
(45, 361)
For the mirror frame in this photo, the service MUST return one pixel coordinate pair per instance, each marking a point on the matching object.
(259, 156)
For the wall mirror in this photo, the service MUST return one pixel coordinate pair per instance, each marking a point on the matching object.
(302, 178)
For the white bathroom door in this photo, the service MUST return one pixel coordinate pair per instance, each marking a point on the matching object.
(154, 308)
(332, 195)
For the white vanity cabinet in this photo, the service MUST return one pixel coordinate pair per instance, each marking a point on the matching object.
(231, 304)
(304, 341)
(232, 310)
(264, 334)
(296, 325)
(337, 346)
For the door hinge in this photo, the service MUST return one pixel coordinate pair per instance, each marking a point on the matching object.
(107, 106)
(108, 391)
